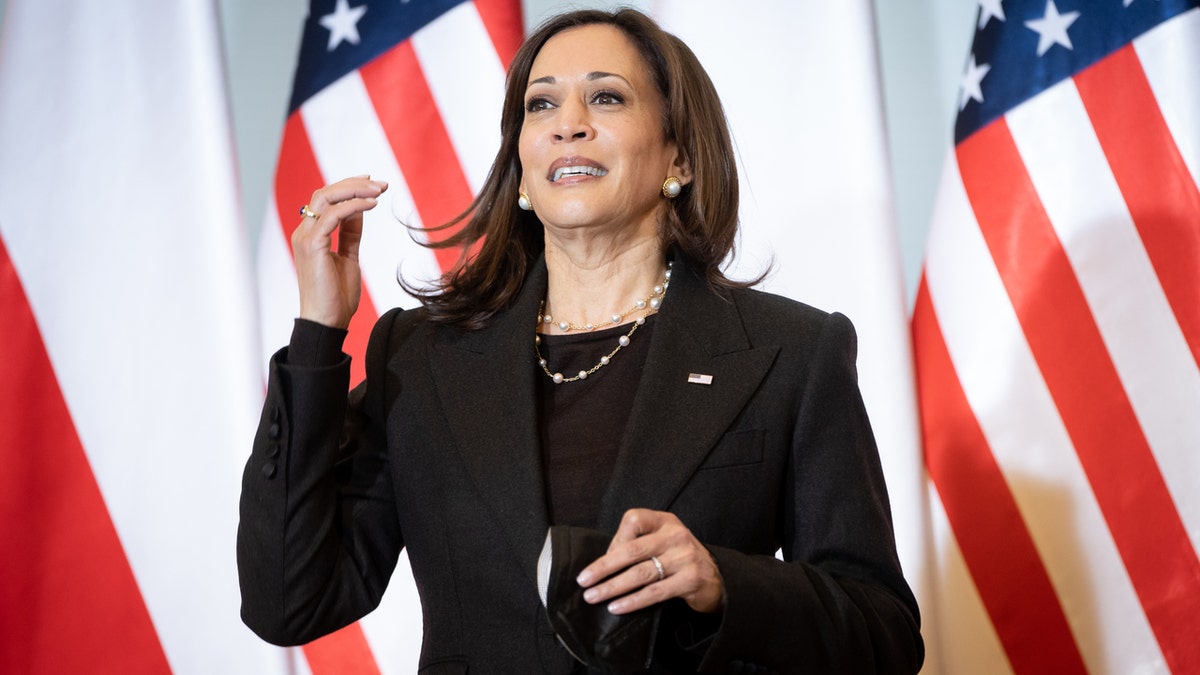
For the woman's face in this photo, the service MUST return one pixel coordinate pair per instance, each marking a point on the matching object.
(592, 147)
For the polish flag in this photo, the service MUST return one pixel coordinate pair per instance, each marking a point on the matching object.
(130, 381)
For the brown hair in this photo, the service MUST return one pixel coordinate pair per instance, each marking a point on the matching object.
(501, 242)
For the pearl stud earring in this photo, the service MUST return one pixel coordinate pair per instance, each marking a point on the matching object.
(671, 187)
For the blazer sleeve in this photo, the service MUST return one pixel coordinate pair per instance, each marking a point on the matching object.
(318, 537)
(838, 603)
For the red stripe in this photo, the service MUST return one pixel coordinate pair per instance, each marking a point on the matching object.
(505, 26)
(343, 652)
(987, 524)
(419, 140)
(1071, 355)
(69, 602)
(1158, 188)
(296, 178)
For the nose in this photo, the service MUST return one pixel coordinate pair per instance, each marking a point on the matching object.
(574, 121)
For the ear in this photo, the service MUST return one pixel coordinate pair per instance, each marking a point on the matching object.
(681, 169)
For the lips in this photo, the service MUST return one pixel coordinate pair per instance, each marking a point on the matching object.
(568, 167)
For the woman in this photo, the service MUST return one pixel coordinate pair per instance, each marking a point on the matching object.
(590, 367)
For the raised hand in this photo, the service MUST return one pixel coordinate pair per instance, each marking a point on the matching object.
(331, 281)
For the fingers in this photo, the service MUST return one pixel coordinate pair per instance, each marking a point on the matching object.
(339, 205)
(357, 187)
(330, 281)
(631, 580)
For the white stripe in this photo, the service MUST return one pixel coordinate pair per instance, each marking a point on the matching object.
(1021, 424)
(1170, 55)
(966, 641)
(347, 140)
(1080, 194)
(466, 79)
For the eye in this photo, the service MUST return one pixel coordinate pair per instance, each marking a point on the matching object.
(537, 104)
(607, 98)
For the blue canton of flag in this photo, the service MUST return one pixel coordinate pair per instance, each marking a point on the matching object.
(1030, 45)
(371, 28)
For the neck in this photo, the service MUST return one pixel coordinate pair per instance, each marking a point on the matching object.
(588, 286)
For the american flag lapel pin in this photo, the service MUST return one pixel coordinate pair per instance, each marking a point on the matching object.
(699, 378)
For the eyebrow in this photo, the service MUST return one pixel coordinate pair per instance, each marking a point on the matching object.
(591, 77)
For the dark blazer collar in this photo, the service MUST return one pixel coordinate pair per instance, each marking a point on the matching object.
(676, 421)
(673, 425)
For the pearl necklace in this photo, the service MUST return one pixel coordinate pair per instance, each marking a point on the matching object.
(653, 302)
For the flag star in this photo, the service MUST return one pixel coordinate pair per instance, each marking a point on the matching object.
(989, 9)
(1052, 28)
(343, 24)
(970, 88)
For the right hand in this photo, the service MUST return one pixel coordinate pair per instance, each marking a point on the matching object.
(331, 281)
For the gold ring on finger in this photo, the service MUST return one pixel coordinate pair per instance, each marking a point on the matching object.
(309, 213)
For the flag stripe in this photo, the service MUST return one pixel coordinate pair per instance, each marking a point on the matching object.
(1140, 331)
(72, 568)
(1026, 435)
(968, 643)
(419, 140)
(465, 80)
(1082, 379)
(297, 175)
(1170, 55)
(348, 139)
(505, 28)
(1162, 195)
(359, 330)
(343, 652)
(988, 526)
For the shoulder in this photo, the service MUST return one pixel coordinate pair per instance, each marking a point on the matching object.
(768, 317)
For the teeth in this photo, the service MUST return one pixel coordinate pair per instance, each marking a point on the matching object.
(577, 171)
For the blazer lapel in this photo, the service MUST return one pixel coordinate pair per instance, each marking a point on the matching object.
(485, 381)
(675, 422)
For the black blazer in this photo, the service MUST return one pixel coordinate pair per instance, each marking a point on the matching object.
(439, 452)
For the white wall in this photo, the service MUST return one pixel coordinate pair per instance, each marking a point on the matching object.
(923, 45)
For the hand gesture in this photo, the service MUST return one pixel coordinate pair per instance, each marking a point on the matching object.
(331, 281)
(660, 559)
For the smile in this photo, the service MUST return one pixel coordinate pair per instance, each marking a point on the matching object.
(567, 171)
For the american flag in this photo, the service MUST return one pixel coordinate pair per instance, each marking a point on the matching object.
(1057, 340)
(410, 93)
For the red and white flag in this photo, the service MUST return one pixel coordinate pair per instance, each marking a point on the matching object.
(129, 382)
(409, 93)
(1057, 338)
(801, 87)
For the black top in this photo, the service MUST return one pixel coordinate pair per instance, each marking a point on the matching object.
(581, 423)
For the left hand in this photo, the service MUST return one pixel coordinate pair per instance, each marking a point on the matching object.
(689, 571)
